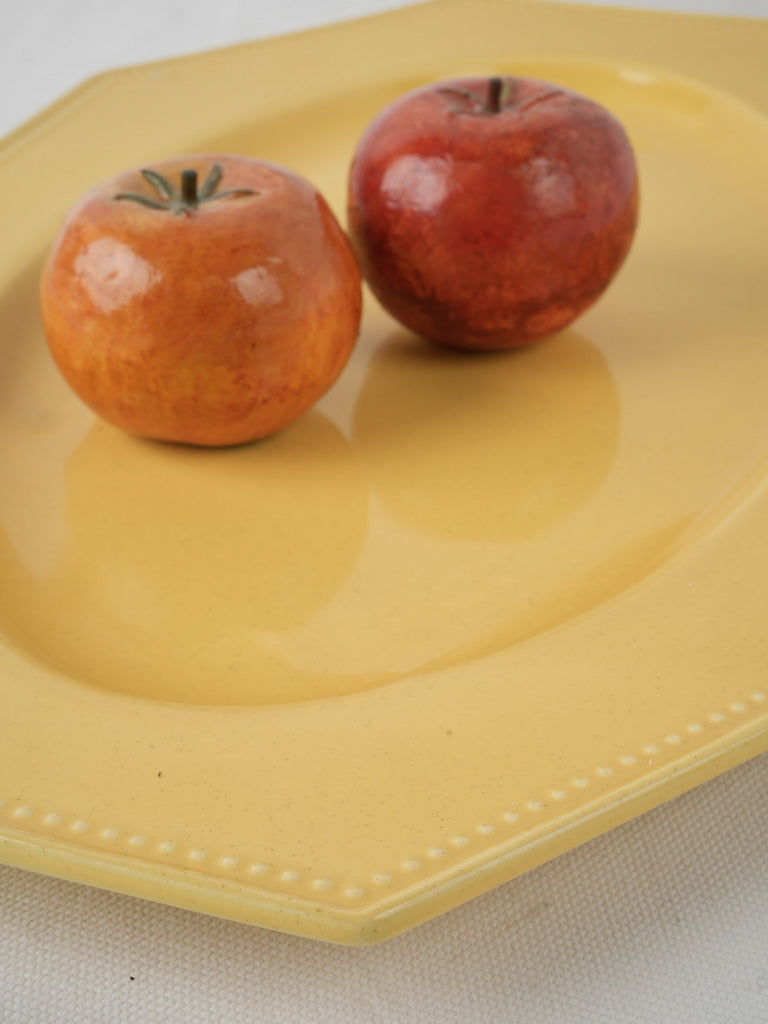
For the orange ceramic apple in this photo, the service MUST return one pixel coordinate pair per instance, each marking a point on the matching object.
(490, 212)
(209, 300)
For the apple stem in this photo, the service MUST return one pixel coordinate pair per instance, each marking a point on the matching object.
(189, 187)
(495, 90)
(187, 198)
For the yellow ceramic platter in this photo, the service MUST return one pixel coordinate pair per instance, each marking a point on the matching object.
(469, 611)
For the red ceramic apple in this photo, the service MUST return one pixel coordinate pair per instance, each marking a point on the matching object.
(489, 213)
(208, 300)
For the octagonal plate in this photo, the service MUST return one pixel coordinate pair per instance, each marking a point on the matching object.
(469, 611)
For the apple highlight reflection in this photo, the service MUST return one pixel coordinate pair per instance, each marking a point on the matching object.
(113, 274)
(416, 182)
(259, 286)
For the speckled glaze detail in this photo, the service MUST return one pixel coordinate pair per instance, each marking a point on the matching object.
(492, 830)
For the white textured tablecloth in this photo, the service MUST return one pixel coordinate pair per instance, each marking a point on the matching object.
(664, 920)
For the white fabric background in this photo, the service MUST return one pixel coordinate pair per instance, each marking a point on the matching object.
(664, 920)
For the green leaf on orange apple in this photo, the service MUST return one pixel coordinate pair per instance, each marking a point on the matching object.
(188, 197)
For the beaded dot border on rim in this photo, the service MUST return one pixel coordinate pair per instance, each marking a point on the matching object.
(229, 865)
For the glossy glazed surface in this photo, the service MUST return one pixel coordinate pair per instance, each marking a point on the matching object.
(215, 321)
(469, 611)
(489, 213)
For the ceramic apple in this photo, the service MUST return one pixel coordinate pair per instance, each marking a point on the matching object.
(488, 213)
(209, 300)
